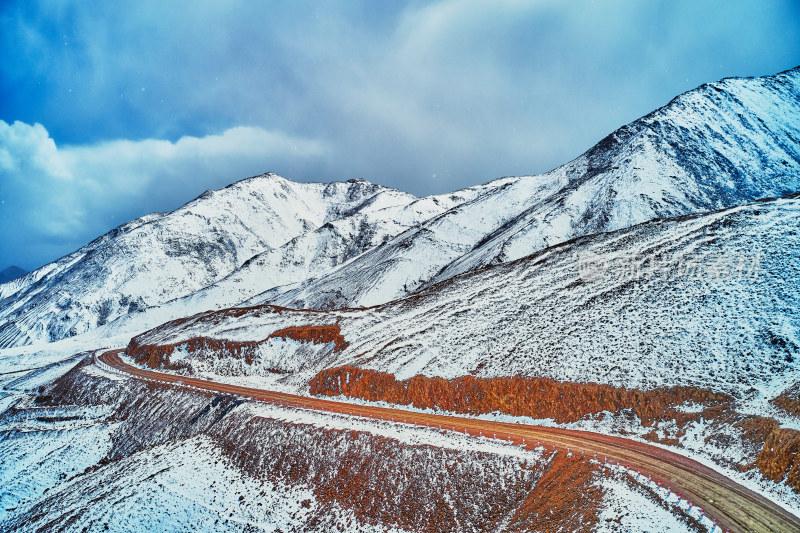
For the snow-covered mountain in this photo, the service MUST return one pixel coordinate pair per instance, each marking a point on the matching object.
(684, 331)
(318, 252)
(639, 290)
(161, 257)
(722, 144)
(11, 273)
(269, 240)
(705, 300)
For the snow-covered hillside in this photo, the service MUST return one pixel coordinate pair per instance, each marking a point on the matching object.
(708, 300)
(269, 240)
(161, 257)
(312, 254)
(705, 303)
(138, 457)
(722, 144)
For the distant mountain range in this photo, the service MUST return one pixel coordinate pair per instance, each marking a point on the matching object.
(11, 273)
(269, 240)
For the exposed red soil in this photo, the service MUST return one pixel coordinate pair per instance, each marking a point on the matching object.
(565, 499)
(384, 482)
(221, 315)
(378, 480)
(157, 355)
(314, 334)
(653, 436)
(534, 397)
(733, 506)
(568, 402)
(778, 459)
(789, 400)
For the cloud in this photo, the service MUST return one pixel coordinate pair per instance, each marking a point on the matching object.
(422, 96)
(60, 198)
(31, 169)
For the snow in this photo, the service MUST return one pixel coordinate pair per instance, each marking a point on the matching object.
(658, 306)
(39, 455)
(628, 425)
(642, 510)
(406, 433)
(348, 244)
(663, 165)
(162, 491)
(166, 256)
(629, 509)
(654, 326)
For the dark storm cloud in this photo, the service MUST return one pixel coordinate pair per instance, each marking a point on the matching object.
(426, 97)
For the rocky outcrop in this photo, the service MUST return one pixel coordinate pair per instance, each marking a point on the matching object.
(314, 334)
(778, 459)
(566, 498)
(789, 400)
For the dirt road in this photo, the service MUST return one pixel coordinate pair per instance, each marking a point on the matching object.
(731, 505)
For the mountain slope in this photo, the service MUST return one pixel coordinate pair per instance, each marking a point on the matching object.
(160, 257)
(682, 331)
(316, 253)
(707, 300)
(268, 240)
(722, 144)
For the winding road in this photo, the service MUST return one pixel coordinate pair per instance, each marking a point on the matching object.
(733, 507)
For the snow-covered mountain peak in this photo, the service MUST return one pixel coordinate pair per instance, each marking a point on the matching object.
(266, 239)
(163, 256)
(719, 145)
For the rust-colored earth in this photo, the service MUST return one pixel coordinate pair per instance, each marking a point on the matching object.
(568, 402)
(516, 396)
(734, 507)
(158, 355)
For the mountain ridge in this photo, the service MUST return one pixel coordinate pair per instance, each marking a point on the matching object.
(187, 249)
(612, 185)
(358, 244)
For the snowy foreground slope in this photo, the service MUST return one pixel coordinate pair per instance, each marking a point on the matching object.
(98, 452)
(269, 240)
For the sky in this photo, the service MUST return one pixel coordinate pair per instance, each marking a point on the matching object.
(111, 110)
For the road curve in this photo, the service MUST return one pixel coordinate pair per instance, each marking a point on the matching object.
(733, 507)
